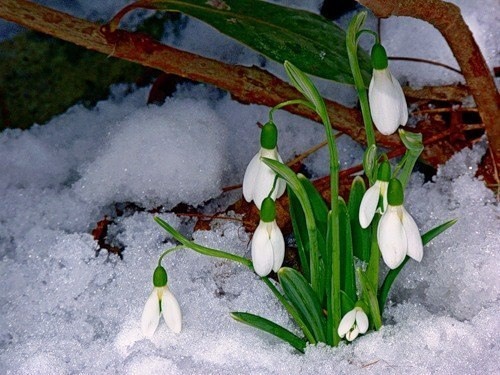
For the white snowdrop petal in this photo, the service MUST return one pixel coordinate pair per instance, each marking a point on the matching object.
(280, 188)
(264, 184)
(346, 323)
(384, 102)
(278, 245)
(383, 192)
(368, 205)
(391, 238)
(250, 177)
(361, 320)
(262, 251)
(415, 247)
(171, 311)
(403, 107)
(351, 335)
(150, 315)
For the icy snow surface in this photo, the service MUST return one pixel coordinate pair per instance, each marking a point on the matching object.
(65, 310)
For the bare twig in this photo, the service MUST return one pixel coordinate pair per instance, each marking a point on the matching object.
(246, 84)
(425, 61)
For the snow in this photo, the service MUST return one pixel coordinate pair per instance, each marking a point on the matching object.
(65, 310)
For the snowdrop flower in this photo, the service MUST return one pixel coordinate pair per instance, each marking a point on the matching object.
(160, 302)
(387, 101)
(268, 245)
(353, 323)
(259, 178)
(372, 196)
(397, 233)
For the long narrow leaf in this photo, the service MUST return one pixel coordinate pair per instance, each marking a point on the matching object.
(313, 43)
(270, 327)
(320, 213)
(300, 232)
(393, 274)
(369, 296)
(347, 276)
(361, 237)
(320, 209)
(291, 310)
(302, 296)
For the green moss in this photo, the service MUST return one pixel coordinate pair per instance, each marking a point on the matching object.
(41, 77)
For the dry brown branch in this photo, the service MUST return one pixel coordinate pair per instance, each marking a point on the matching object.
(446, 17)
(246, 84)
(453, 93)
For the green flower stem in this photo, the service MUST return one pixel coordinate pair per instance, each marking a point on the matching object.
(374, 262)
(414, 146)
(202, 249)
(352, 51)
(274, 186)
(287, 103)
(371, 277)
(302, 83)
(334, 205)
(168, 251)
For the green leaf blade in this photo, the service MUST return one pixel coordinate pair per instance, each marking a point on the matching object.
(361, 238)
(302, 296)
(270, 327)
(300, 232)
(315, 44)
(347, 275)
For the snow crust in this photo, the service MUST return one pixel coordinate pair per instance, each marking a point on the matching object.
(65, 310)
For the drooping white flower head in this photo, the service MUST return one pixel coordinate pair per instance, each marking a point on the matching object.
(353, 323)
(397, 232)
(386, 98)
(259, 178)
(161, 301)
(372, 196)
(268, 245)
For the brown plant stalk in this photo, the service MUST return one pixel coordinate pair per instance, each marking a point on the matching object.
(446, 17)
(246, 84)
